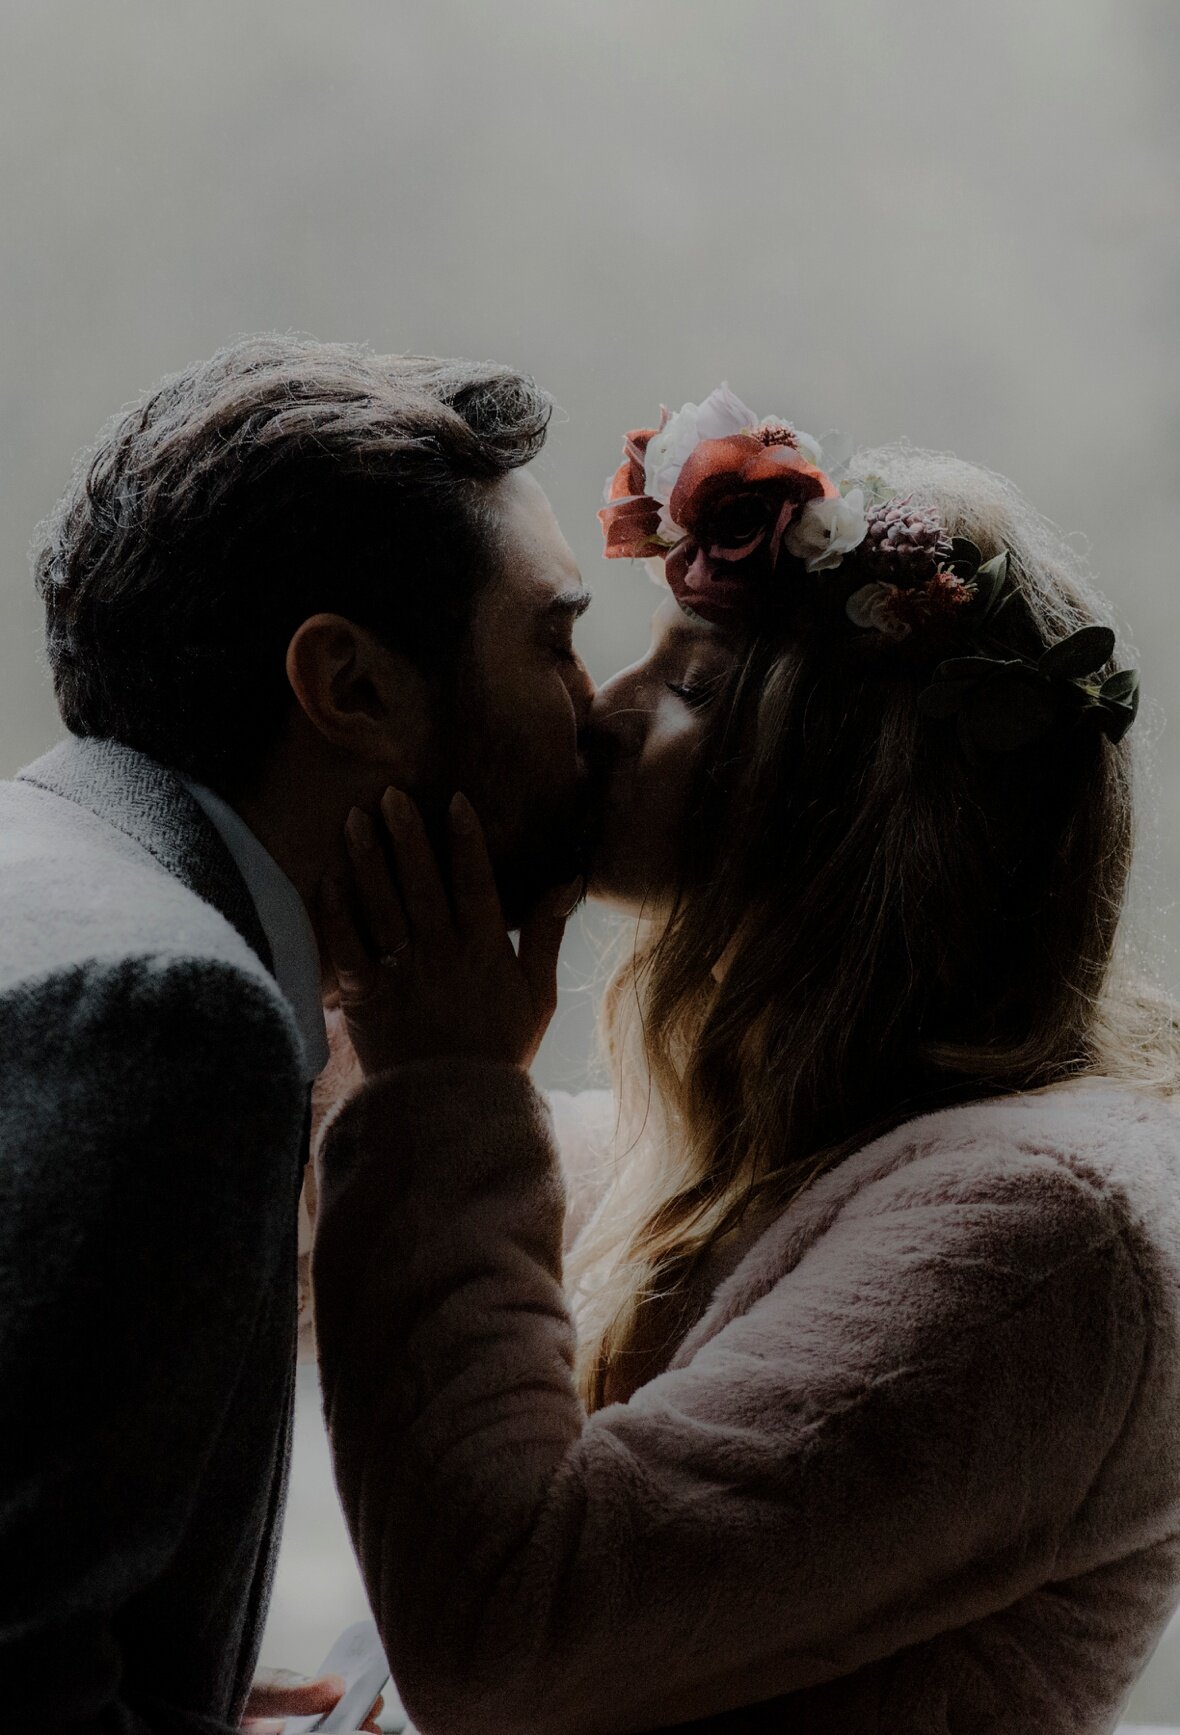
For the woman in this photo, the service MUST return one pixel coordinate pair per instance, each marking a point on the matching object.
(852, 1407)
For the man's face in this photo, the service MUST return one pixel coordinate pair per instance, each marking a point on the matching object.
(514, 735)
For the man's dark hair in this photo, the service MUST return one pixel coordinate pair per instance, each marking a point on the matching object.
(279, 478)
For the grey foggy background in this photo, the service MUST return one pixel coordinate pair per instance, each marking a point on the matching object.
(951, 221)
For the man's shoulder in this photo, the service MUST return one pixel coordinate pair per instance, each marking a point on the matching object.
(79, 894)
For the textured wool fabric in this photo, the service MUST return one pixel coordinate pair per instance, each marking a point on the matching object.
(151, 1115)
(914, 1469)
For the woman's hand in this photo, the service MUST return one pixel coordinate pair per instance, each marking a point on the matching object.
(425, 974)
(277, 1694)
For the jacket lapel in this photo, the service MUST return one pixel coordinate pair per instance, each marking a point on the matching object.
(150, 804)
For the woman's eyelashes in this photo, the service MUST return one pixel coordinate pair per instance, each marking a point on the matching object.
(696, 691)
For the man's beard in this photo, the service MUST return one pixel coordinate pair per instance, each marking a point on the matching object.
(554, 856)
(550, 844)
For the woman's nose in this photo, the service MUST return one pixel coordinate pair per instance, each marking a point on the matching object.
(617, 714)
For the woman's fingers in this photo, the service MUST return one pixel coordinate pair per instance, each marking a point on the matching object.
(424, 898)
(380, 904)
(347, 952)
(473, 882)
(280, 1693)
(540, 942)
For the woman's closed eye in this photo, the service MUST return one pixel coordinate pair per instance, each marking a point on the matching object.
(696, 691)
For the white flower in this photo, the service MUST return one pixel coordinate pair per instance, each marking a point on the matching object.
(668, 530)
(836, 449)
(667, 451)
(721, 413)
(810, 448)
(664, 460)
(869, 607)
(655, 570)
(826, 530)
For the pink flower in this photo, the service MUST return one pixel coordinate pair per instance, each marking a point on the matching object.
(735, 498)
(630, 520)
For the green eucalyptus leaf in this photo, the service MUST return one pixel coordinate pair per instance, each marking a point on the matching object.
(1115, 719)
(991, 606)
(988, 585)
(1120, 685)
(1082, 653)
(1005, 715)
(877, 491)
(994, 570)
(1119, 714)
(964, 552)
(970, 668)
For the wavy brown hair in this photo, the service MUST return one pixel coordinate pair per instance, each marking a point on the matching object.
(278, 478)
(901, 930)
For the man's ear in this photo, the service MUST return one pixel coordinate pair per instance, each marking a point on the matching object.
(369, 701)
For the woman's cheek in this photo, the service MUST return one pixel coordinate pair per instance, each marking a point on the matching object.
(665, 788)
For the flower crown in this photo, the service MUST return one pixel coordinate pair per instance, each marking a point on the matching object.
(725, 508)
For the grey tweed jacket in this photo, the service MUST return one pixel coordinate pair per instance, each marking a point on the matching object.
(151, 1151)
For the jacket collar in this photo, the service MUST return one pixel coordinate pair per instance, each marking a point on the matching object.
(150, 804)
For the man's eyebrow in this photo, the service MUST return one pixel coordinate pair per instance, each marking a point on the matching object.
(568, 602)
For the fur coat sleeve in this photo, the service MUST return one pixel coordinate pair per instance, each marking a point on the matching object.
(893, 1438)
(582, 1121)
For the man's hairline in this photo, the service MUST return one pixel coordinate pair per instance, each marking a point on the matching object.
(490, 520)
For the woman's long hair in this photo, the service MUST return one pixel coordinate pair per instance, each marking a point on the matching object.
(894, 929)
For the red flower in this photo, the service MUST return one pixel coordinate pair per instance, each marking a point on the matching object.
(936, 601)
(735, 499)
(631, 518)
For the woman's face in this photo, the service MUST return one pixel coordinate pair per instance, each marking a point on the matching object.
(649, 724)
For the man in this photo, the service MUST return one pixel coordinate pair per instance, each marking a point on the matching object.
(294, 575)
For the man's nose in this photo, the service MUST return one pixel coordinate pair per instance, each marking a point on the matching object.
(585, 691)
(582, 692)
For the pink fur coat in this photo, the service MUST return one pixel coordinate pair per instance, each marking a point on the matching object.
(914, 1469)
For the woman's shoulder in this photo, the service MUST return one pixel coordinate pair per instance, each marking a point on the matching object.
(977, 1196)
(1056, 1167)
(1112, 1137)
(1039, 1178)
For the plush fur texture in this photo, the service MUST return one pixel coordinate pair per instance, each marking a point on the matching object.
(914, 1470)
